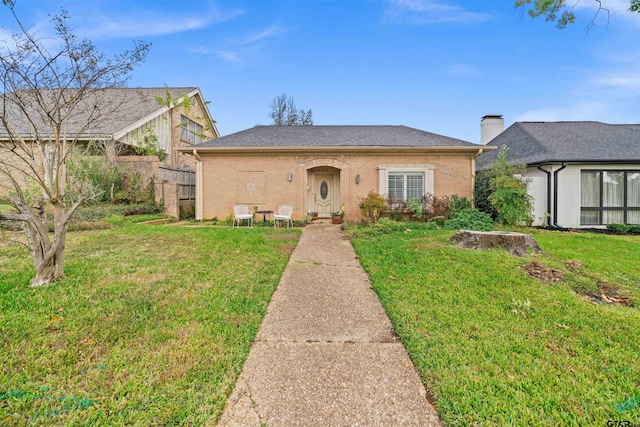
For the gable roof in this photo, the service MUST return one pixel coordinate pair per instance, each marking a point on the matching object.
(310, 137)
(126, 109)
(572, 142)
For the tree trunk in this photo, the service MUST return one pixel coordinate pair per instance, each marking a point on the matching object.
(47, 255)
(49, 271)
(518, 244)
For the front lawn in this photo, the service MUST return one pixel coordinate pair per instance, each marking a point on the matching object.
(151, 327)
(497, 347)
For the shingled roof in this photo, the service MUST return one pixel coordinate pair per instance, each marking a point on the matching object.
(574, 142)
(334, 136)
(121, 108)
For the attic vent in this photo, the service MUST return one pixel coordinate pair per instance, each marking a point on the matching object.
(195, 102)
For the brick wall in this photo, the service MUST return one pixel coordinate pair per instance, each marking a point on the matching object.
(262, 180)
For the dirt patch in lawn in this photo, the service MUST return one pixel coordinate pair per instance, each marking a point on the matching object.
(606, 293)
(539, 271)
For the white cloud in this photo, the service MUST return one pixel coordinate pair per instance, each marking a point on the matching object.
(575, 112)
(629, 81)
(430, 12)
(267, 33)
(238, 49)
(228, 56)
(611, 11)
(137, 23)
(607, 111)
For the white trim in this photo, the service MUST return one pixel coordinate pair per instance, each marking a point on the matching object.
(383, 176)
(162, 110)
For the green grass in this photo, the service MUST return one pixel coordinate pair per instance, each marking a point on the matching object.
(5, 208)
(497, 347)
(151, 326)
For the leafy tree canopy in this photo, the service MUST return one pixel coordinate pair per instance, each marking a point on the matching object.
(560, 12)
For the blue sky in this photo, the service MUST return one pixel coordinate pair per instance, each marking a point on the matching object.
(437, 65)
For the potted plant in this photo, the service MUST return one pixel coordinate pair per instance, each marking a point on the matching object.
(314, 216)
(336, 217)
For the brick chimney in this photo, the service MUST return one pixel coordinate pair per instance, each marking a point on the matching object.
(491, 126)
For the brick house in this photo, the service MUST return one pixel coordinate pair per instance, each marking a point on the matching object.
(321, 168)
(126, 116)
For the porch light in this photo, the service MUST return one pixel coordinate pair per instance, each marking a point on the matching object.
(290, 176)
(357, 179)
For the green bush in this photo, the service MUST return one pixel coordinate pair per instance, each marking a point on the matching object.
(372, 206)
(635, 229)
(481, 193)
(620, 228)
(509, 193)
(470, 219)
(457, 204)
(134, 190)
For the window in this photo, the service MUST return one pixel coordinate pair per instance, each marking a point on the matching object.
(609, 197)
(406, 186)
(404, 182)
(191, 131)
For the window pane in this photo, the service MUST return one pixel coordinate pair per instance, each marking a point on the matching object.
(590, 189)
(396, 186)
(190, 131)
(633, 189)
(613, 189)
(633, 217)
(612, 217)
(415, 185)
(589, 218)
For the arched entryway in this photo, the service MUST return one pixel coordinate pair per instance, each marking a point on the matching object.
(323, 190)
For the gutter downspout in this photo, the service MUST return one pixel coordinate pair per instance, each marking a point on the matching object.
(548, 213)
(473, 172)
(199, 189)
(555, 195)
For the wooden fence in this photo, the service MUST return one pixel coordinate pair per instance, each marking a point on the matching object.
(185, 178)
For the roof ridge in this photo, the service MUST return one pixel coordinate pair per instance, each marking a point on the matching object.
(535, 140)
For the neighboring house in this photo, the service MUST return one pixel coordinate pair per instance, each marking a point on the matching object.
(127, 116)
(581, 174)
(322, 168)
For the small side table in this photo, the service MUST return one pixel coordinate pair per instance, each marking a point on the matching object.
(264, 215)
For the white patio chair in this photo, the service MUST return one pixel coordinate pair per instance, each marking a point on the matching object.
(241, 213)
(284, 213)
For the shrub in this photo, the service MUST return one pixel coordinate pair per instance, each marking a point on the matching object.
(470, 219)
(188, 211)
(509, 193)
(481, 193)
(424, 209)
(620, 228)
(436, 206)
(371, 207)
(635, 229)
(103, 211)
(458, 204)
(134, 190)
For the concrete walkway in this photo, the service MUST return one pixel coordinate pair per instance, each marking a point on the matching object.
(326, 354)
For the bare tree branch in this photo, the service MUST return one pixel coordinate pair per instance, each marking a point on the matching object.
(50, 102)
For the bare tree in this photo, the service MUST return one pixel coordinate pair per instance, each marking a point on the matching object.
(285, 113)
(51, 100)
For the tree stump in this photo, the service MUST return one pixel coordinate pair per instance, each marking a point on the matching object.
(515, 243)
